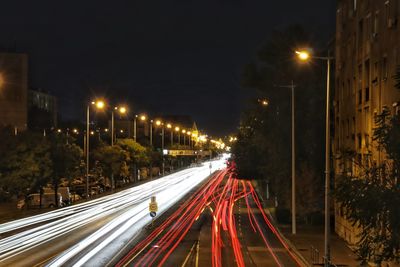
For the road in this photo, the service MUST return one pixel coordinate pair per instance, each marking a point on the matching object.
(222, 224)
(92, 233)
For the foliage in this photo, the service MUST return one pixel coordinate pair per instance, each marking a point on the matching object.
(66, 158)
(371, 199)
(263, 148)
(25, 163)
(112, 160)
(137, 154)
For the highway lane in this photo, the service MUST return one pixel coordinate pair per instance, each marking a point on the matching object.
(93, 231)
(234, 231)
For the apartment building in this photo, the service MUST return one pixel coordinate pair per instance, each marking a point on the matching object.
(367, 57)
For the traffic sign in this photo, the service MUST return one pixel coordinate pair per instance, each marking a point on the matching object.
(153, 206)
(153, 214)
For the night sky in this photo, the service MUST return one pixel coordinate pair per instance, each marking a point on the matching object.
(162, 57)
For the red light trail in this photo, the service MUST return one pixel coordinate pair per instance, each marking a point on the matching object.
(218, 196)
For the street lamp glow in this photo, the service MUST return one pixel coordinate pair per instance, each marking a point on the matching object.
(59, 130)
(122, 110)
(158, 122)
(303, 55)
(92, 132)
(188, 132)
(75, 130)
(183, 131)
(99, 104)
(106, 130)
(177, 129)
(169, 125)
(143, 117)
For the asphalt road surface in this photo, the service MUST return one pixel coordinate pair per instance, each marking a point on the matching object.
(94, 232)
(222, 224)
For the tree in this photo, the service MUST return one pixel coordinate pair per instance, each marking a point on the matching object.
(370, 200)
(263, 148)
(137, 155)
(25, 164)
(66, 158)
(113, 160)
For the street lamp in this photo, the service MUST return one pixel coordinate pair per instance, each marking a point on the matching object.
(179, 134)
(184, 136)
(158, 124)
(99, 104)
(169, 126)
(151, 133)
(121, 110)
(291, 86)
(189, 134)
(142, 118)
(305, 55)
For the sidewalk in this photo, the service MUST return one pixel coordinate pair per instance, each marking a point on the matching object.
(313, 236)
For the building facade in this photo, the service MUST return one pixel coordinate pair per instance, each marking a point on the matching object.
(367, 56)
(42, 109)
(13, 90)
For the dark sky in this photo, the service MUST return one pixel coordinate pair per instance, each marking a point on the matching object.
(168, 56)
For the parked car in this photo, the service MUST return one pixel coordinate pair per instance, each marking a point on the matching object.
(64, 191)
(33, 201)
(79, 189)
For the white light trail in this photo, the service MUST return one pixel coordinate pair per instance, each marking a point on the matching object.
(132, 204)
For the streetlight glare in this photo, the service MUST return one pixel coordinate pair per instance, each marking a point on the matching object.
(143, 117)
(158, 122)
(177, 128)
(188, 133)
(99, 104)
(122, 110)
(303, 55)
(183, 131)
(169, 125)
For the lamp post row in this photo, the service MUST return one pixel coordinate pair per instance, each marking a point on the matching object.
(122, 110)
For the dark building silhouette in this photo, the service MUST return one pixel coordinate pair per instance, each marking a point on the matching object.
(13, 90)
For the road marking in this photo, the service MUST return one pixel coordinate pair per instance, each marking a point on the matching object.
(197, 253)
(188, 255)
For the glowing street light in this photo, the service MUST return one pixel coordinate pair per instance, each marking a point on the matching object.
(169, 126)
(143, 117)
(303, 55)
(264, 102)
(99, 104)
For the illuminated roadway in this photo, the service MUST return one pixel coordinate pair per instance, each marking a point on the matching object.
(92, 233)
(222, 224)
